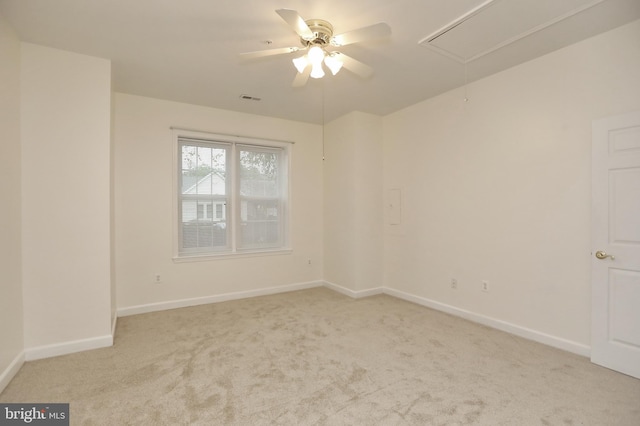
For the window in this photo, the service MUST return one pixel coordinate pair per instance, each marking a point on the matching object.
(232, 195)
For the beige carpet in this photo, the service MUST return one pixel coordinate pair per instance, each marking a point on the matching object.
(318, 357)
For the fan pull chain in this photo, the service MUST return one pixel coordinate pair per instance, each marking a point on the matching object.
(322, 113)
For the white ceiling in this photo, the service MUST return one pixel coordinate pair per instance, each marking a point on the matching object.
(187, 50)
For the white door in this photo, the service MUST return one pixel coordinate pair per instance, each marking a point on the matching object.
(615, 264)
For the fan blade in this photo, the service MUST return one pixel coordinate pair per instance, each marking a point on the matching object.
(301, 77)
(269, 52)
(365, 33)
(296, 22)
(353, 65)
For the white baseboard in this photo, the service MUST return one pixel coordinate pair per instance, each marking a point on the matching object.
(356, 294)
(517, 330)
(183, 303)
(11, 370)
(114, 323)
(527, 333)
(66, 348)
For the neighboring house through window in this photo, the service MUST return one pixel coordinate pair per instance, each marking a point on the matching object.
(232, 196)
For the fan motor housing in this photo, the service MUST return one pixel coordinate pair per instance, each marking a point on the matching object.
(322, 31)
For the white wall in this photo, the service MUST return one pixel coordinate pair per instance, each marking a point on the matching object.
(144, 217)
(498, 188)
(353, 225)
(112, 221)
(65, 128)
(11, 320)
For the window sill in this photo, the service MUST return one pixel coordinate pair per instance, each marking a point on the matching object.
(205, 257)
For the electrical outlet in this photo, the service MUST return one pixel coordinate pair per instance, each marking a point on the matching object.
(158, 278)
(485, 285)
(454, 283)
(309, 261)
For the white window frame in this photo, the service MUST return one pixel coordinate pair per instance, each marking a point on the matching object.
(233, 212)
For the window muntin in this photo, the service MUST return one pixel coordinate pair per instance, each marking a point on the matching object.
(232, 196)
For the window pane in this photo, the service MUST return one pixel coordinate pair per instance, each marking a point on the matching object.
(259, 223)
(203, 185)
(199, 231)
(259, 173)
(199, 235)
(260, 206)
(203, 170)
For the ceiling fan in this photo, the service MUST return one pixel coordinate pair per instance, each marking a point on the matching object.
(316, 37)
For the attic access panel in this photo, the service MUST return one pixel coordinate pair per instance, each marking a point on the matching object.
(497, 23)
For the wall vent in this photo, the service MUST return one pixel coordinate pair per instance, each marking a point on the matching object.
(249, 98)
(497, 23)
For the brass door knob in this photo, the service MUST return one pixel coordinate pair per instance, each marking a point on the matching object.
(602, 255)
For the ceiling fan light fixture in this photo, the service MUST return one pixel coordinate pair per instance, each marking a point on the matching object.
(315, 56)
(333, 63)
(315, 36)
(317, 71)
(300, 63)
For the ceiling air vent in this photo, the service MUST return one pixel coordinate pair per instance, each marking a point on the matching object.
(497, 23)
(249, 98)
